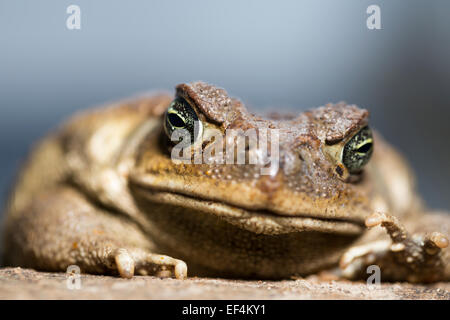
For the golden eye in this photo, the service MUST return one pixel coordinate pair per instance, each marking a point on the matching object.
(180, 115)
(358, 150)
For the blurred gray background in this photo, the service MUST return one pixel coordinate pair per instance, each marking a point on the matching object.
(293, 54)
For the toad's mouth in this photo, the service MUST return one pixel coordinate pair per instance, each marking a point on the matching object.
(256, 221)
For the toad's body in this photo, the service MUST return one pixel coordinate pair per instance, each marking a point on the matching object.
(103, 193)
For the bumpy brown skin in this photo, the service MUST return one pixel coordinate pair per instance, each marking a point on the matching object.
(103, 193)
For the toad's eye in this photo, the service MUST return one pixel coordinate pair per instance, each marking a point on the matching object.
(180, 115)
(358, 150)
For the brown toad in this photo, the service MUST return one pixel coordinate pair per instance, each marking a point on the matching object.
(104, 193)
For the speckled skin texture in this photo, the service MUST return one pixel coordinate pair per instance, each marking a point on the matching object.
(103, 193)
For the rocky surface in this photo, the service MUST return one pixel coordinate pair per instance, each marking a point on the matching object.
(17, 283)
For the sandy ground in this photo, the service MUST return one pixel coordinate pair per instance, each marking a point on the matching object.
(17, 283)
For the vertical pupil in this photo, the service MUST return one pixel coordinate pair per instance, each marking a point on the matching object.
(175, 120)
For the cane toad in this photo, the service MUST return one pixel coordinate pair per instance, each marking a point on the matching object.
(103, 192)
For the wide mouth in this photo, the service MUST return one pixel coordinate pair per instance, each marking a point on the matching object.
(257, 221)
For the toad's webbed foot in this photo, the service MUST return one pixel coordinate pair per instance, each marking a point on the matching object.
(414, 258)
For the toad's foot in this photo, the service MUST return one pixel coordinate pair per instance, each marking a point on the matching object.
(129, 262)
(79, 233)
(413, 258)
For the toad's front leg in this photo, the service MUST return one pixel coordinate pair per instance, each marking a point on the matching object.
(61, 227)
(417, 257)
